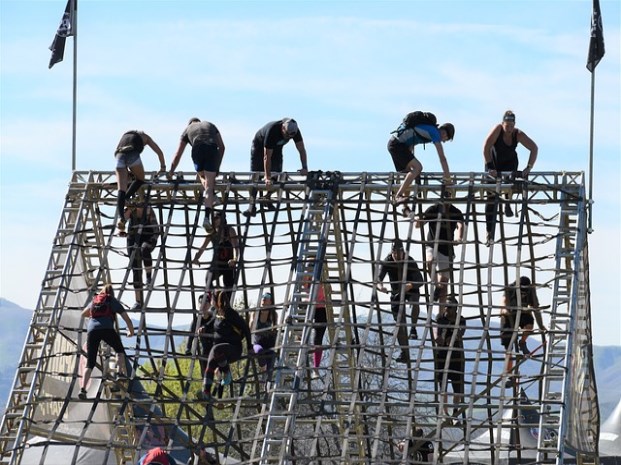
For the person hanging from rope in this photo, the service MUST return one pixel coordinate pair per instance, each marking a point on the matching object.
(157, 456)
(207, 153)
(229, 330)
(446, 224)
(143, 233)
(225, 253)
(207, 309)
(404, 276)
(449, 331)
(128, 161)
(320, 321)
(266, 152)
(102, 311)
(264, 326)
(501, 160)
(519, 305)
(417, 128)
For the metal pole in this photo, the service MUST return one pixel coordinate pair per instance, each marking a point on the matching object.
(590, 199)
(75, 82)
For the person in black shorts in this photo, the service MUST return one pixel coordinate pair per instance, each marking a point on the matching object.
(449, 332)
(207, 153)
(128, 161)
(267, 145)
(523, 312)
(501, 159)
(102, 311)
(395, 265)
(143, 233)
(225, 253)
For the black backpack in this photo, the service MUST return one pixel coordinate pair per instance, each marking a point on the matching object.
(419, 117)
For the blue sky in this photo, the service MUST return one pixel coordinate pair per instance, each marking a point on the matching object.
(346, 70)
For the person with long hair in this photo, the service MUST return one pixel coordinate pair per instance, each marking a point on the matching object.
(229, 331)
(264, 332)
(102, 311)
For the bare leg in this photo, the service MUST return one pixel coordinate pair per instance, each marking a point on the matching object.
(208, 180)
(86, 378)
(414, 169)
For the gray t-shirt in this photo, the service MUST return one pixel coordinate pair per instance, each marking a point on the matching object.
(202, 132)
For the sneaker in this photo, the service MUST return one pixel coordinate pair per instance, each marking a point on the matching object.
(315, 373)
(227, 379)
(413, 333)
(509, 384)
(121, 226)
(205, 395)
(82, 394)
(508, 210)
(404, 357)
(207, 225)
(251, 212)
(524, 348)
(148, 280)
(489, 240)
(270, 206)
(137, 306)
(436, 294)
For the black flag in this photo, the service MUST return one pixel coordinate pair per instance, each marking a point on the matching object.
(596, 46)
(65, 29)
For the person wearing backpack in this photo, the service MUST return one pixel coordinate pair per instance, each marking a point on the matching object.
(128, 161)
(102, 311)
(417, 128)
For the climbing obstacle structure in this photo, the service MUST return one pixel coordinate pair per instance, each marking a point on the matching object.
(329, 231)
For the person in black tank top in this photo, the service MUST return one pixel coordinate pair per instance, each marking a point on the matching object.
(225, 253)
(501, 158)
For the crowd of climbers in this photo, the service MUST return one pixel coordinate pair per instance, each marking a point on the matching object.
(218, 331)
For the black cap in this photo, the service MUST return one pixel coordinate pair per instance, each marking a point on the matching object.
(397, 245)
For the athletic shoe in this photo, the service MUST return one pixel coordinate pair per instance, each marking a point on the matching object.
(137, 306)
(207, 225)
(149, 280)
(413, 333)
(251, 212)
(404, 357)
(508, 210)
(82, 394)
(315, 373)
(524, 348)
(270, 206)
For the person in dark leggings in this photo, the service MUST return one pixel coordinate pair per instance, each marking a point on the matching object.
(102, 311)
(264, 333)
(229, 330)
(128, 161)
(501, 159)
(143, 233)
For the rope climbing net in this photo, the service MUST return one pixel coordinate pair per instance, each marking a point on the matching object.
(364, 403)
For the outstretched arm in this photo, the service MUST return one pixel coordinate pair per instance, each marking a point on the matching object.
(445, 168)
(529, 144)
(156, 148)
(302, 149)
(177, 157)
(201, 250)
(487, 149)
(267, 165)
(128, 322)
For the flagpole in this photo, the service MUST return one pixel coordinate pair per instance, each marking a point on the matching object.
(75, 82)
(590, 201)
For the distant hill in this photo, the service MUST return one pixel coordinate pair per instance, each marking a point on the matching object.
(607, 359)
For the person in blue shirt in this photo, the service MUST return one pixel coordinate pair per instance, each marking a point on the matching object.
(102, 311)
(401, 147)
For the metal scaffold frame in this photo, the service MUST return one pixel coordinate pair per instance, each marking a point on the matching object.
(327, 232)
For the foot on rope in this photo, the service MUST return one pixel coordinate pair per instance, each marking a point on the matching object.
(508, 210)
(403, 357)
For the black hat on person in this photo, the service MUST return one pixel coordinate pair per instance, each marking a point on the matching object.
(397, 245)
(509, 116)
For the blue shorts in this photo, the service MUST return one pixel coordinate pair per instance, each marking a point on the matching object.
(206, 157)
(127, 160)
